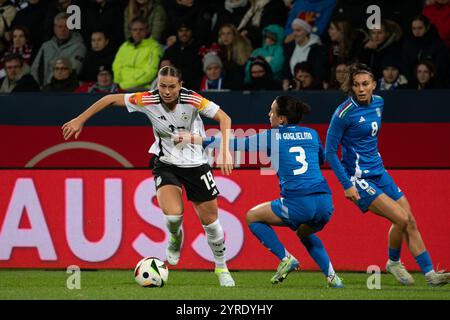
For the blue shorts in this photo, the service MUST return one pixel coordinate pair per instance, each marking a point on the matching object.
(313, 210)
(370, 188)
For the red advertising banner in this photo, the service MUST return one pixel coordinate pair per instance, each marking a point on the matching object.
(110, 219)
(127, 146)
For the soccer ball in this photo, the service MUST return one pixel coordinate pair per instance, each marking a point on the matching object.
(151, 272)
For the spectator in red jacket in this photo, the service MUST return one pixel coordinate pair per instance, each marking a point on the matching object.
(438, 11)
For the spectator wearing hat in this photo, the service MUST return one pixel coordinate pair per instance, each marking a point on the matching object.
(18, 78)
(271, 50)
(213, 78)
(391, 79)
(104, 83)
(184, 55)
(99, 54)
(306, 47)
(261, 76)
(136, 63)
(64, 77)
(318, 12)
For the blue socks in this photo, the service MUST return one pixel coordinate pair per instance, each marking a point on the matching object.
(394, 254)
(317, 251)
(424, 262)
(267, 236)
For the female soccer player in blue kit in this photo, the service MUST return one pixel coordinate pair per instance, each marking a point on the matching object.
(355, 126)
(305, 205)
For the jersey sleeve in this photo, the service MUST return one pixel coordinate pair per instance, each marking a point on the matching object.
(334, 135)
(204, 106)
(136, 101)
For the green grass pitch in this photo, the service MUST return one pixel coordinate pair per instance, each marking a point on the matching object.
(203, 285)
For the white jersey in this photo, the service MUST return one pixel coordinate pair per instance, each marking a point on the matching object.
(185, 116)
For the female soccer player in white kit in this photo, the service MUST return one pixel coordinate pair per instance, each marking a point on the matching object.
(172, 108)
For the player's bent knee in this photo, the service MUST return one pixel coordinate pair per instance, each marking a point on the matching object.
(250, 217)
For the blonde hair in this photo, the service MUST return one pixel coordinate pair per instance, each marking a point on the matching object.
(240, 48)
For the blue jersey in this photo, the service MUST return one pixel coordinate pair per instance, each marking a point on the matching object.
(296, 154)
(355, 127)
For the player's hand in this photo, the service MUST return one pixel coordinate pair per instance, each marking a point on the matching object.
(352, 194)
(225, 162)
(71, 128)
(181, 137)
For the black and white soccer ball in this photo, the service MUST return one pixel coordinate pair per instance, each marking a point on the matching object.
(151, 272)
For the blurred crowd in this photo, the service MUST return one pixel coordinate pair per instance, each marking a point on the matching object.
(221, 45)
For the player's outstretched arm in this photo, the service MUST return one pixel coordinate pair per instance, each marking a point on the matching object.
(75, 126)
(224, 160)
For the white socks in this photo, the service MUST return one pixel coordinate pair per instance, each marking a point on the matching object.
(173, 224)
(216, 240)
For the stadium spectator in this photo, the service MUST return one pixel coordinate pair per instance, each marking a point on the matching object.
(32, 17)
(136, 63)
(271, 50)
(193, 12)
(150, 10)
(318, 13)
(185, 57)
(104, 83)
(355, 11)
(20, 45)
(261, 76)
(18, 78)
(306, 47)
(392, 79)
(343, 42)
(7, 14)
(55, 8)
(261, 14)
(337, 77)
(438, 12)
(64, 78)
(234, 53)
(383, 41)
(304, 78)
(231, 11)
(99, 54)
(64, 43)
(213, 78)
(424, 44)
(103, 15)
(424, 76)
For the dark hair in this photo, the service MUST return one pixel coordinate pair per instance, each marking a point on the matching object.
(13, 56)
(353, 70)
(305, 67)
(170, 71)
(430, 65)
(292, 108)
(24, 29)
(424, 19)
